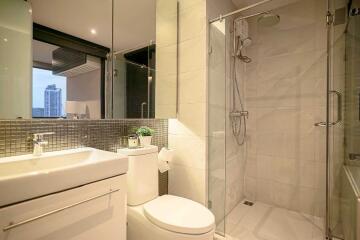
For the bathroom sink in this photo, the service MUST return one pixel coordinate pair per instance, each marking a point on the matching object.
(28, 176)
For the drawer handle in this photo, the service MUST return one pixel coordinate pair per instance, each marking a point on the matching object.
(15, 225)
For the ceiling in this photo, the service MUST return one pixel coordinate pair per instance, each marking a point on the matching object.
(134, 20)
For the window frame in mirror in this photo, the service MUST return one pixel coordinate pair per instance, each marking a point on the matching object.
(61, 39)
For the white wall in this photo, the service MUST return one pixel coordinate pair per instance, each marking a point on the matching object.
(86, 88)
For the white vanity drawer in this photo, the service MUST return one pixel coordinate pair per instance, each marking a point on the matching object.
(92, 212)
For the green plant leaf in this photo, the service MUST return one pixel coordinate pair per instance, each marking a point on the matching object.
(144, 131)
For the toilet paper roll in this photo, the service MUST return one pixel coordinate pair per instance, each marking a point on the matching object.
(165, 156)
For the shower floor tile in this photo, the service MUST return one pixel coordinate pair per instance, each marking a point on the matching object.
(265, 222)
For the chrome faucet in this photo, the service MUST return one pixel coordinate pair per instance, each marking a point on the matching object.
(142, 109)
(39, 142)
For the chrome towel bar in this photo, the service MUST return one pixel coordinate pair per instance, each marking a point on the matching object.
(15, 225)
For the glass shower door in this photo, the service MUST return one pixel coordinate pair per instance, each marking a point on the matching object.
(335, 113)
(350, 193)
(216, 125)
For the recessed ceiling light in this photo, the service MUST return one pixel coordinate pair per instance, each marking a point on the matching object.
(30, 10)
(93, 31)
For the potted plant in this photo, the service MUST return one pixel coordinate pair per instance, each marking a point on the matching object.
(145, 134)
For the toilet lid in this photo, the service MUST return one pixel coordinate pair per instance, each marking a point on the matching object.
(179, 215)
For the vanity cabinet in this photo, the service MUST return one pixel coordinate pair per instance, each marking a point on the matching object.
(94, 211)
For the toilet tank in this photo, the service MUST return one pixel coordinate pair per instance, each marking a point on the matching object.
(142, 175)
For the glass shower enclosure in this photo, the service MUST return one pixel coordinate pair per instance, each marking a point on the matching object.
(291, 83)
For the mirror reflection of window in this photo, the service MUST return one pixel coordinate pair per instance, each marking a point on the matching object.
(66, 83)
(52, 40)
(49, 94)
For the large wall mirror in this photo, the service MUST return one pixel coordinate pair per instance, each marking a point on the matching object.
(88, 59)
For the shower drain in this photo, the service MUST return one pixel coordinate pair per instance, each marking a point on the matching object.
(248, 203)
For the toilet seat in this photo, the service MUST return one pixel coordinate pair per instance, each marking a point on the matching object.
(179, 215)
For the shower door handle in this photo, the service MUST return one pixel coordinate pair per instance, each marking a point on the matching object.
(339, 111)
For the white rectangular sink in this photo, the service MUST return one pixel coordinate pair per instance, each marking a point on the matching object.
(28, 176)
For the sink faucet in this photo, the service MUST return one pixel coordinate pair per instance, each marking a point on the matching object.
(39, 142)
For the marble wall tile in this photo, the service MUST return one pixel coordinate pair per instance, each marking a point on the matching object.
(191, 91)
(192, 22)
(184, 156)
(188, 133)
(285, 88)
(188, 182)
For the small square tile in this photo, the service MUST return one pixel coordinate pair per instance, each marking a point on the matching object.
(16, 136)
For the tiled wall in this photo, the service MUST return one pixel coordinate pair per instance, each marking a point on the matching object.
(166, 58)
(285, 96)
(16, 136)
(352, 86)
(188, 133)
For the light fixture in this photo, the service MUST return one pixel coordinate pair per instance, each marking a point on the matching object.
(5, 39)
(93, 31)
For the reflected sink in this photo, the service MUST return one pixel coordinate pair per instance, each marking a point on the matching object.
(28, 176)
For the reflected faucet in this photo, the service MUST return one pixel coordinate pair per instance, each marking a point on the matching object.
(39, 142)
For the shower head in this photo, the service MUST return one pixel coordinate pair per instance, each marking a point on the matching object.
(268, 19)
(242, 44)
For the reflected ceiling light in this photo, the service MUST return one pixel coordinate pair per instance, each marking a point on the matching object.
(5, 39)
(93, 31)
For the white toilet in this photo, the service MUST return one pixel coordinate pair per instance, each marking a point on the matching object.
(167, 217)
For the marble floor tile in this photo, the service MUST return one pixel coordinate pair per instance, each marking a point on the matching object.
(265, 222)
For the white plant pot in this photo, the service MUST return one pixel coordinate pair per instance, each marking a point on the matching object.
(145, 140)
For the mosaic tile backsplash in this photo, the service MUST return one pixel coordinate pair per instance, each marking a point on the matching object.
(16, 136)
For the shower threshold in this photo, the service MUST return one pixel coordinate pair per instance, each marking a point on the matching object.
(266, 222)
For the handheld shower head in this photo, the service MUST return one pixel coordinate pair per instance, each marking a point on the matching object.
(243, 43)
(246, 42)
